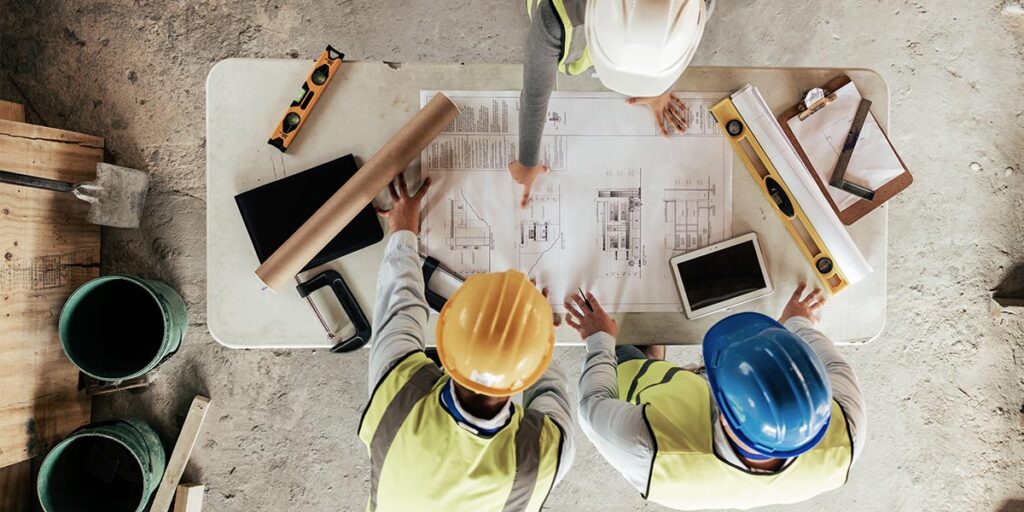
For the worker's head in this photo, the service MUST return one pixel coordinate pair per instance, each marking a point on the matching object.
(770, 387)
(495, 335)
(641, 47)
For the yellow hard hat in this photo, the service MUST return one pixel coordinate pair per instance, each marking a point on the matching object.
(495, 335)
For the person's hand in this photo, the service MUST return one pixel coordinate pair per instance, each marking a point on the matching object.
(806, 307)
(669, 112)
(525, 176)
(405, 212)
(588, 321)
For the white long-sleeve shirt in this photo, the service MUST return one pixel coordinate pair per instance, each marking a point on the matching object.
(399, 323)
(619, 432)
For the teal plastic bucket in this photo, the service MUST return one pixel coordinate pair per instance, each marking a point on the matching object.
(120, 327)
(113, 466)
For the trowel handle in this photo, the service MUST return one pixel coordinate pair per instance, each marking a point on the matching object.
(24, 180)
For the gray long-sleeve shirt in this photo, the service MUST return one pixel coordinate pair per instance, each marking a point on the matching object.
(618, 429)
(399, 323)
(540, 70)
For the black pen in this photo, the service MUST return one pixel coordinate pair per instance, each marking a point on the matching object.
(585, 300)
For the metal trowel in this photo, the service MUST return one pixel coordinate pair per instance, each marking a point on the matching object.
(115, 199)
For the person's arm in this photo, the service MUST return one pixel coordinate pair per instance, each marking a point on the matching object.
(845, 386)
(800, 316)
(550, 395)
(616, 427)
(400, 314)
(540, 70)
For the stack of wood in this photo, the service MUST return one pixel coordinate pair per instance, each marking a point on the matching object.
(47, 250)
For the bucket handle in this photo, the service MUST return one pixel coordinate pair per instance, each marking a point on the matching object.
(348, 301)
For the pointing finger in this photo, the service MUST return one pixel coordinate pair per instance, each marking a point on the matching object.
(799, 292)
(811, 297)
(526, 198)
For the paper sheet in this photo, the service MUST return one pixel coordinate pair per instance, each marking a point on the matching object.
(619, 202)
(822, 135)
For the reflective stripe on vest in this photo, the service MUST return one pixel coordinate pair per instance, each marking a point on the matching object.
(421, 458)
(686, 474)
(575, 53)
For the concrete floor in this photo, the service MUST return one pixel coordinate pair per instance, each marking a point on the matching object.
(944, 383)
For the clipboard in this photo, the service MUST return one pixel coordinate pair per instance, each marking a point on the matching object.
(852, 212)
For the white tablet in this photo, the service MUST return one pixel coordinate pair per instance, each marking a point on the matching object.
(721, 276)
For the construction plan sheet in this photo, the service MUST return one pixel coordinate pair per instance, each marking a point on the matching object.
(619, 201)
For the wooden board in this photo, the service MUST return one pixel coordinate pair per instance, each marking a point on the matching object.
(189, 498)
(49, 152)
(47, 249)
(10, 111)
(182, 451)
(17, 492)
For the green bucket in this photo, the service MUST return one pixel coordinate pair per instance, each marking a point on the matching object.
(113, 466)
(120, 327)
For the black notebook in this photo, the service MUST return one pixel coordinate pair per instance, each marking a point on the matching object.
(272, 212)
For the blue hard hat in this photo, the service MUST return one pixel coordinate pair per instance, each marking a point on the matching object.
(768, 383)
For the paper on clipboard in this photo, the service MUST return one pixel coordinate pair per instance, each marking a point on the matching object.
(822, 135)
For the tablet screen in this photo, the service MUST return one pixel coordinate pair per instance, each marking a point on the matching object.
(721, 275)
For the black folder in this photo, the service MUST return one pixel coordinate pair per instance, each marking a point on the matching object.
(272, 212)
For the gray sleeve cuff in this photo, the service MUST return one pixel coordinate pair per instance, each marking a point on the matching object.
(599, 342)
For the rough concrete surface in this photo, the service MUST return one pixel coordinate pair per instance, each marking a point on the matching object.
(944, 383)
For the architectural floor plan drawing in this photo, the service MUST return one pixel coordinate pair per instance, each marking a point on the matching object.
(469, 236)
(619, 202)
(539, 230)
(690, 215)
(620, 231)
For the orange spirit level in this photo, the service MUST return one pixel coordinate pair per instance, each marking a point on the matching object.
(324, 69)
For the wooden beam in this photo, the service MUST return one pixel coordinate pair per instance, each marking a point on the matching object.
(48, 152)
(189, 498)
(182, 451)
(10, 111)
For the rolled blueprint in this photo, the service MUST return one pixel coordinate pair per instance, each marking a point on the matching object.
(390, 160)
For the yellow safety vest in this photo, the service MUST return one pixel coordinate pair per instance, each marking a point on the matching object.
(575, 53)
(421, 460)
(685, 472)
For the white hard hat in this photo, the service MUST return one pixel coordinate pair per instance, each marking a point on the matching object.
(640, 47)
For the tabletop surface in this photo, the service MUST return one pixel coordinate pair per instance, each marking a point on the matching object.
(368, 101)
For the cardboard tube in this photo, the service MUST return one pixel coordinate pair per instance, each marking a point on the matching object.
(390, 160)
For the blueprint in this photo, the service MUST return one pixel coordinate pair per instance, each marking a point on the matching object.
(619, 202)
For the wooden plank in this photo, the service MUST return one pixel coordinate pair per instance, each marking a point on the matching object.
(17, 492)
(182, 451)
(49, 152)
(189, 498)
(10, 111)
(47, 250)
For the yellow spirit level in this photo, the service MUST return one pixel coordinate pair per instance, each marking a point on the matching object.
(324, 69)
(762, 146)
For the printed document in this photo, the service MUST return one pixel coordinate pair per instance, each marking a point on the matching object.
(619, 202)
